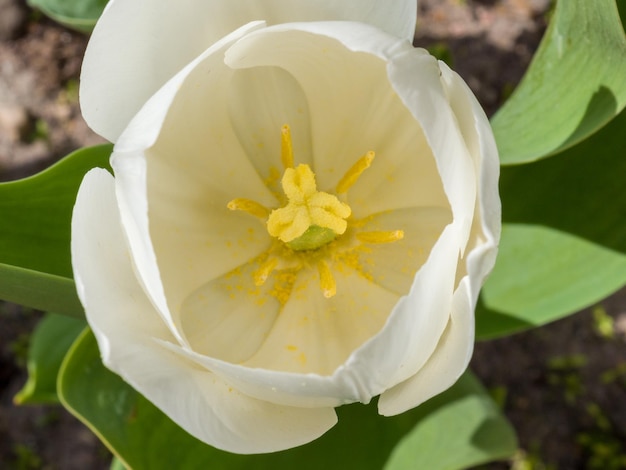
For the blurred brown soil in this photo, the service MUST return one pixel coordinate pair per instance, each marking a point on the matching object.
(563, 386)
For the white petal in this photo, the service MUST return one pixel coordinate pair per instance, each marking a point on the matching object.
(138, 45)
(130, 335)
(393, 265)
(446, 364)
(453, 352)
(103, 268)
(301, 360)
(284, 388)
(229, 318)
(344, 126)
(173, 185)
(397, 352)
(413, 330)
(262, 100)
(314, 334)
(443, 134)
(482, 146)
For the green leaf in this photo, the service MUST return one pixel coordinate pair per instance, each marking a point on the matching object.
(621, 6)
(543, 275)
(563, 243)
(48, 346)
(491, 324)
(463, 428)
(36, 212)
(80, 15)
(143, 437)
(39, 290)
(116, 464)
(574, 86)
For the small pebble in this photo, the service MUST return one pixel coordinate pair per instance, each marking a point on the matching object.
(14, 122)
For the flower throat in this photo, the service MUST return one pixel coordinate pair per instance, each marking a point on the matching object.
(310, 219)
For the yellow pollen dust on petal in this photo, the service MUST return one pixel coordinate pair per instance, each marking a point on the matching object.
(352, 175)
(327, 281)
(380, 237)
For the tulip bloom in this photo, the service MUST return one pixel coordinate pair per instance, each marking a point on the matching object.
(301, 217)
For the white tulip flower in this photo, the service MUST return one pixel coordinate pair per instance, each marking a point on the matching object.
(301, 217)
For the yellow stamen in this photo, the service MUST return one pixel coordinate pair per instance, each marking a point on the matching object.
(306, 207)
(286, 147)
(261, 274)
(308, 224)
(380, 237)
(352, 175)
(327, 281)
(248, 206)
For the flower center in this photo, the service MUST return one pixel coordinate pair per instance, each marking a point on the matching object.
(310, 219)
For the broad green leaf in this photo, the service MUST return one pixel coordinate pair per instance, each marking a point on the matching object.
(48, 346)
(543, 274)
(563, 243)
(581, 192)
(143, 437)
(574, 86)
(80, 15)
(36, 212)
(467, 430)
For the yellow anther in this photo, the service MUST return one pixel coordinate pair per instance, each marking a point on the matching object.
(380, 237)
(248, 206)
(307, 207)
(327, 281)
(352, 175)
(261, 274)
(286, 147)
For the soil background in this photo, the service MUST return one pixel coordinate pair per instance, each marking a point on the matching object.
(562, 386)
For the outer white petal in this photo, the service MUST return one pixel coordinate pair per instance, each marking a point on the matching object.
(454, 351)
(446, 364)
(138, 45)
(173, 183)
(130, 335)
(413, 330)
(482, 145)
